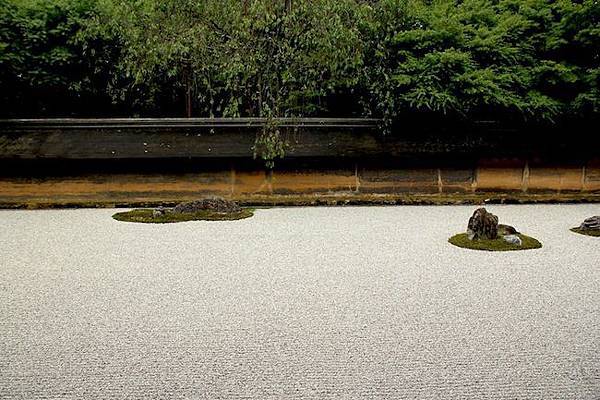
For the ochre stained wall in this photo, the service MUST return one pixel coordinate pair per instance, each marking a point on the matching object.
(489, 175)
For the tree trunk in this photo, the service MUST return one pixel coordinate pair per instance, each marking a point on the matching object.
(188, 91)
(188, 100)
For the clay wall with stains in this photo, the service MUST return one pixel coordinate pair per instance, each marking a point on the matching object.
(112, 162)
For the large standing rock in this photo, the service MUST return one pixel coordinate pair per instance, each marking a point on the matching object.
(591, 224)
(216, 204)
(482, 225)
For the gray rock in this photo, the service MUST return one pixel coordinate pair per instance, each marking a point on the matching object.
(216, 204)
(159, 212)
(513, 239)
(482, 225)
(470, 234)
(506, 230)
(591, 223)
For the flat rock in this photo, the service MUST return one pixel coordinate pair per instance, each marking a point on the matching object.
(513, 239)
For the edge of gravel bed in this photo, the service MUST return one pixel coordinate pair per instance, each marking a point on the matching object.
(171, 200)
(586, 232)
(462, 240)
(145, 216)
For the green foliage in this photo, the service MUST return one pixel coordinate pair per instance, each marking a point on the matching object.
(43, 65)
(264, 60)
(270, 143)
(484, 59)
(444, 60)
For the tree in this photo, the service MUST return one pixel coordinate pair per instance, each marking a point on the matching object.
(41, 60)
(442, 62)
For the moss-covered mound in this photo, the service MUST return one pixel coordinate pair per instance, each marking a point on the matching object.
(148, 216)
(499, 244)
(587, 232)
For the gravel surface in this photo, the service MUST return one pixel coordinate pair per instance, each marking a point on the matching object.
(298, 303)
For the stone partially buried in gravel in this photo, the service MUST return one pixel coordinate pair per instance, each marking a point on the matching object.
(513, 239)
(589, 227)
(215, 204)
(591, 224)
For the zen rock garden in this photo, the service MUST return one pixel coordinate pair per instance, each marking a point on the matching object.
(209, 209)
(589, 227)
(485, 233)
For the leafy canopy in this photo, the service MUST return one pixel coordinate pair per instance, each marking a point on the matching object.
(444, 60)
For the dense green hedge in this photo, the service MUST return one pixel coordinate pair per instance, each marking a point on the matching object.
(511, 60)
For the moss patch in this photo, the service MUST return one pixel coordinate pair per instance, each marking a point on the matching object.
(587, 232)
(169, 199)
(462, 240)
(145, 216)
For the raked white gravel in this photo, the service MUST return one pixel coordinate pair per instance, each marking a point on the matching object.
(298, 303)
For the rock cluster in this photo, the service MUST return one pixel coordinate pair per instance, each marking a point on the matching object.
(484, 225)
(215, 204)
(591, 224)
